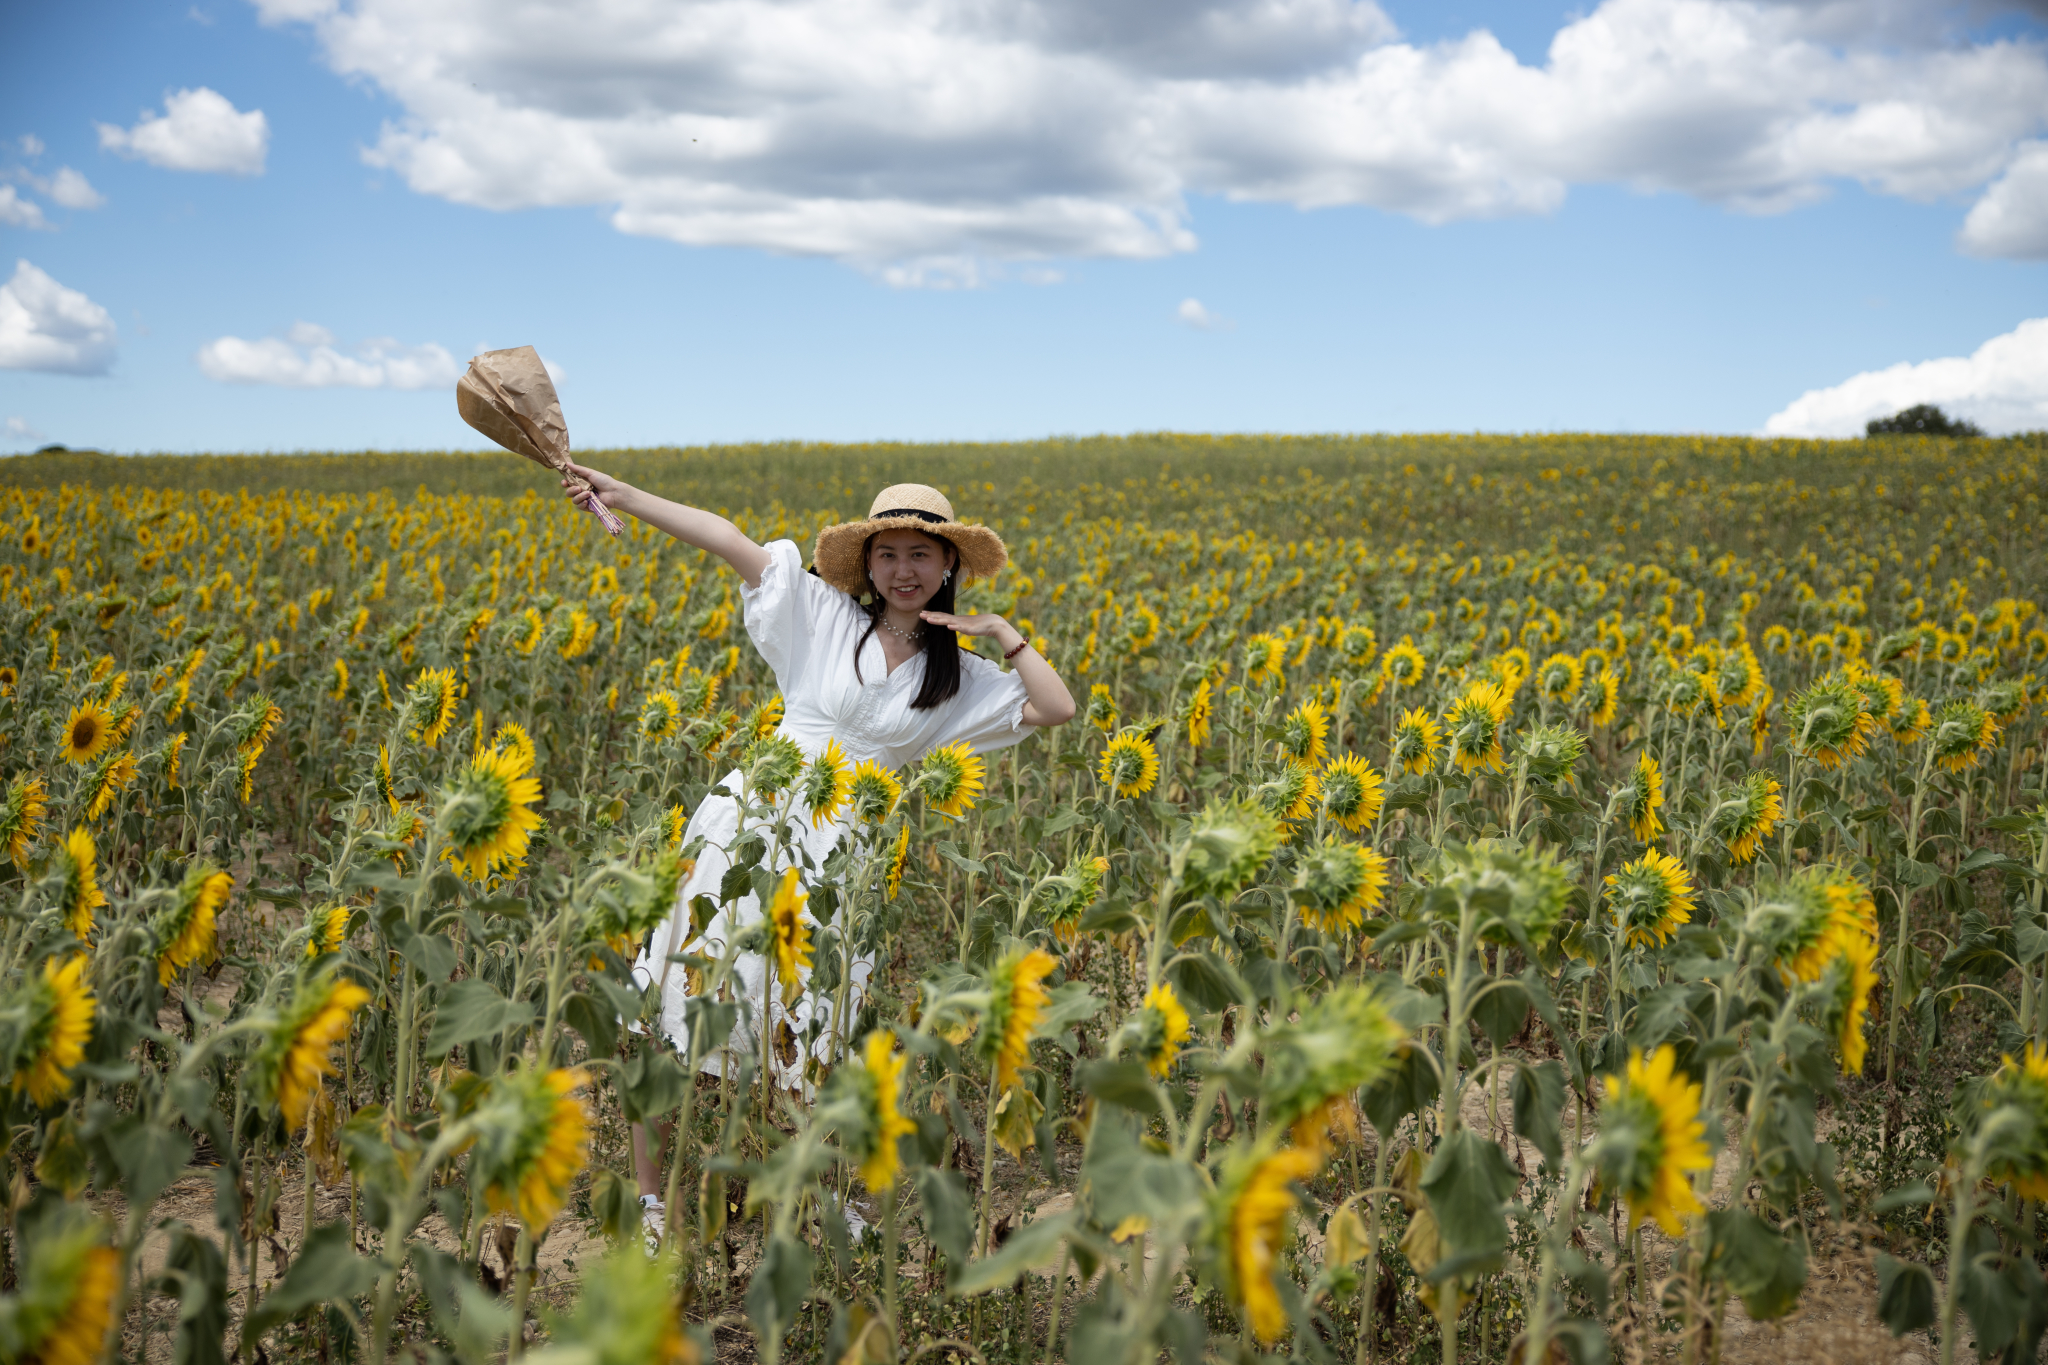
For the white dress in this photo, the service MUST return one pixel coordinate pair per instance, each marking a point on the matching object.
(805, 629)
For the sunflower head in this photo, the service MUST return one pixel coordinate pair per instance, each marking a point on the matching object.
(533, 1141)
(1651, 897)
(1912, 723)
(1336, 1045)
(661, 716)
(1359, 645)
(1559, 677)
(1292, 793)
(1523, 890)
(21, 817)
(674, 821)
(1963, 733)
(1071, 894)
(1551, 752)
(1196, 715)
(1744, 818)
(1830, 721)
(763, 719)
(899, 858)
(628, 1313)
(1102, 708)
(87, 732)
(951, 779)
(1130, 765)
(1337, 884)
(1017, 1002)
(70, 1278)
(1475, 723)
(1416, 742)
(256, 722)
(81, 896)
(1403, 665)
(697, 692)
(488, 816)
(827, 780)
(1639, 800)
(1155, 1031)
(115, 771)
(1251, 1214)
(872, 792)
(1227, 845)
(298, 1049)
(185, 932)
(58, 1008)
(430, 705)
(772, 764)
(511, 736)
(1263, 657)
(1600, 699)
(789, 936)
(1302, 735)
(1352, 792)
(326, 930)
(872, 1120)
(2018, 1093)
(1651, 1140)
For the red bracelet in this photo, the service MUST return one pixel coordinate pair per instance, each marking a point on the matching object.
(1022, 645)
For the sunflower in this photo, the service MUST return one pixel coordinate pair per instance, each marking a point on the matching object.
(763, 719)
(536, 626)
(89, 730)
(1740, 675)
(1130, 765)
(81, 895)
(381, 774)
(1157, 1030)
(1549, 753)
(1963, 733)
(113, 772)
(256, 725)
(10, 675)
(1067, 897)
(59, 1011)
(674, 821)
(1352, 792)
(1652, 1139)
(2023, 1086)
(1263, 656)
(951, 778)
(789, 937)
(1559, 677)
(1102, 708)
(299, 1050)
(1475, 723)
(1830, 722)
(172, 752)
(899, 858)
(1016, 1003)
(1914, 720)
(1258, 1210)
(1197, 715)
(71, 1284)
(1403, 665)
(581, 635)
(1292, 794)
(826, 783)
(327, 930)
(539, 1145)
(384, 691)
(1641, 799)
(1359, 644)
(245, 773)
(21, 817)
(1746, 816)
(1417, 740)
(185, 932)
(488, 815)
(880, 1087)
(697, 692)
(1227, 845)
(1337, 883)
(431, 701)
(772, 763)
(661, 716)
(872, 792)
(1851, 1003)
(1650, 897)
(1601, 698)
(1302, 734)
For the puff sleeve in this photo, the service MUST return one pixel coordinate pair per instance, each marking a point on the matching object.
(787, 611)
(988, 711)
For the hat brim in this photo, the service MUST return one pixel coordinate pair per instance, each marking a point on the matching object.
(837, 554)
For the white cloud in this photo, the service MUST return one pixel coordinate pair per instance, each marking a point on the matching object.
(44, 326)
(1191, 313)
(21, 433)
(306, 358)
(2002, 386)
(31, 145)
(72, 190)
(2012, 217)
(920, 134)
(16, 211)
(199, 130)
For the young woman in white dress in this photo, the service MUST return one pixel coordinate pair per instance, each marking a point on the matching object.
(864, 652)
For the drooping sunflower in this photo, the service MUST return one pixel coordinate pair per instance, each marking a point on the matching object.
(1292, 793)
(1913, 722)
(1639, 801)
(488, 815)
(1652, 1139)
(1155, 1031)
(1549, 753)
(511, 736)
(1130, 765)
(1197, 715)
(110, 775)
(538, 1144)
(1559, 677)
(1102, 709)
(661, 716)
(340, 688)
(88, 731)
(381, 774)
(789, 937)
(1416, 742)
(1227, 845)
(172, 752)
(430, 702)
(951, 778)
(1403, 665)
(880, 1085)
(1743, 818)
(1263, 658)
(1256, 1211)
(1302, 735)
(245, 774)
(899, 858)
(1016, 1003)
(763, 719)
(299, 1049)
(1830, 722)
(872, 793)
(185, 932)
(1341, 1042)
(81, 896)
(1850, 1007)
(21, 817)
(255, 725)
(827, 781)
(70, 1282)
(1963, 733)
(2022, 1086)
(1650, 898)
(327, 930)
(1337, 883)
(59, 1009)
(1475, 723)
(1068, 896)
(1352, 792)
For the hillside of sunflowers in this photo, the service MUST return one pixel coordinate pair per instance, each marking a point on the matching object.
(1504, 899)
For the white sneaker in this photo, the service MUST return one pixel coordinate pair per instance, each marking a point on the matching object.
(653, 1222)
(856, 1226)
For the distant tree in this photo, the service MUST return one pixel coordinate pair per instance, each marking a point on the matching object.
(1922, 419)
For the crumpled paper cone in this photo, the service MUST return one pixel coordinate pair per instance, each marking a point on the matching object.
(508, 396)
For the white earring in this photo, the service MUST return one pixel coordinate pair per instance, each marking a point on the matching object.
(945, 578)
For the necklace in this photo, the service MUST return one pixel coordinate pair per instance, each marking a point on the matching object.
(912, 636)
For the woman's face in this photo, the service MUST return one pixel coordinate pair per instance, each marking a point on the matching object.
(906, 567)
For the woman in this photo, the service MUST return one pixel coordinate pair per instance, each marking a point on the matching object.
(864, 652)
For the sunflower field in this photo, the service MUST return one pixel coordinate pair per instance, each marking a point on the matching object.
(1538, 899)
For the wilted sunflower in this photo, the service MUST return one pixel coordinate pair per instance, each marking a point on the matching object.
(789, 937)
(951, 779)
(661, 716)
(1337, 883)
(1639, 801)
(89, 730)
(879, 1082)
(872, 793)
(1263, 657)
(674, 821)
(1650, 897)
(1963, 733)
(430, 703)
(1130, 765)
(1830, 722)
(381, 774)
(535, 1141)
(1403, 665)
(327, 930)
(1352, 792)
(21, 817)
(1416, 742)
(1652, 1138)
(299, 1049)
(1197, 715)
(827, 781)
(1156, 1030)
(899, 858)
(185, 932)
(1342, 1041)
(1475, 723)
(59, 1011)
(488, 814)
(66, 1300)
(1255, 1203)
(1292, 793)
(1302, 734)
(113, 772)
(1102, 708)
(1016, 1003)
(81, 895)
(245, 773)
(1914, 720)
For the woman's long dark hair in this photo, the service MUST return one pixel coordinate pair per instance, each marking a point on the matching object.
(941, 647)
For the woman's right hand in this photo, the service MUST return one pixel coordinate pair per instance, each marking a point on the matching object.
(608, 490)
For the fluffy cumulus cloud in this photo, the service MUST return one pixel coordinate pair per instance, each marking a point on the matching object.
(2012, 217)
(44, 326)
(921, 134)
(199, 130)
(307, 358)
(18, 211)
(2002, 386)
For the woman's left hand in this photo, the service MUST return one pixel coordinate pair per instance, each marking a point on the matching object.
(986, 623)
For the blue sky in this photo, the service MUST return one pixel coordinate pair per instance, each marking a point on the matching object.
(1381, 224)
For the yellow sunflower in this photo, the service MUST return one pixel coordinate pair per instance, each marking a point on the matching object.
(1260, 1212)
(511, 736)
(899, 858)
(1352, 792)
(185, 933)
(1745, 817)
(1653, 1139)
(77, 1331)
(1417, 741)
(1130, 765)
(1016, 1003)
(432, 699)
(1337, 883)
(300, 1050)
(1403, 665)
(790, 937)
(1302, 734)
(1651, 897)
(1641, 799)
(488, 815)
(1263, 656)
(21, 817)
(1559, 677)
(1475, 723)
(827, 781)
(113, 773)
(173, 752)
(89, 730)
(872, 793)
(60, 1010)
(1164, 1026)
(1197, 715)
(882, 1091)
(541, 1149)
(1102, 708)
(951, 778)
(661, 716)
(81, 895)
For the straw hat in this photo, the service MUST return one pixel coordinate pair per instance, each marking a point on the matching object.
(838, 556)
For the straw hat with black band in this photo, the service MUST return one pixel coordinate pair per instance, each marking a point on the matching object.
(840, 557)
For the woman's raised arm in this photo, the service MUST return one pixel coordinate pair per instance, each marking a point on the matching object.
(691, 525)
